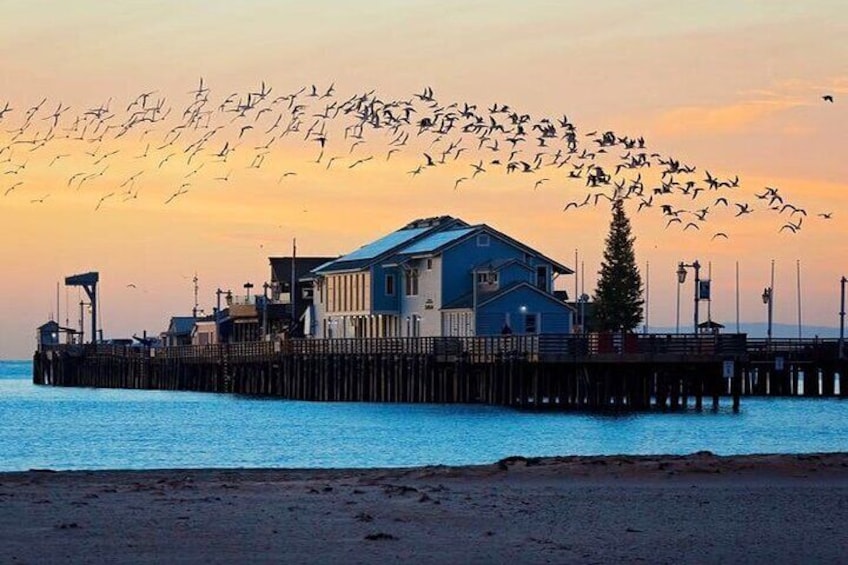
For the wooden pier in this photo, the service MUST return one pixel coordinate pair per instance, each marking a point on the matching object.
(553, 372)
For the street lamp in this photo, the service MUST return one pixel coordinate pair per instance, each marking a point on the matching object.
(768, 295)
(247, 287)
(584, 298)
(218, 294)
(681, 278)
(265, 287)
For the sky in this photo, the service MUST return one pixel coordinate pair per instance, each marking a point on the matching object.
(733, 88)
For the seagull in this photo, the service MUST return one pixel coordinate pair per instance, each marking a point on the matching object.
(719, 234)
(284, 175)
(13, 187)
(459, 180)
(828, 98)
(57, 157)
(825, 215)
(165, 160)
(39, 200)
(102, 199)
(178, 192)
(131, 285)
(743, 209)
(360, 161)
(330, 162)
(539, 183)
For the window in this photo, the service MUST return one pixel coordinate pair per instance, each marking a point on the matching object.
(412, 282)
(483, 240)
(542, 278)
(429, 264)
(530, 323)
(489, 277)
(390, 285)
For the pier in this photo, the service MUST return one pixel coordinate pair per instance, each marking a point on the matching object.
(567, 372)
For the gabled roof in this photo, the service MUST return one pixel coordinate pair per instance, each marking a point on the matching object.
(181, 325)
(500, 264)
(435, 241)
(445, 239)
(500, 293)
(388, 244)
(466, 301)
(515, 286)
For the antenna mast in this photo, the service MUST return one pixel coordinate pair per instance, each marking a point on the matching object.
(194, 310)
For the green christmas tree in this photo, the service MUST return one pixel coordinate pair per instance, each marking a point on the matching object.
(618, 297)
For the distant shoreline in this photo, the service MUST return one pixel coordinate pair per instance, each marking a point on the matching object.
(565, 465)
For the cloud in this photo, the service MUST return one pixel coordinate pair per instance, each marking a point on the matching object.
(753, 108)
(732, 118)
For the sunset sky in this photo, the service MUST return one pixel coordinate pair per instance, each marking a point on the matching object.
(732, 87)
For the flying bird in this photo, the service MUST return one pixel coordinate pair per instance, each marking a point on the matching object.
(360, 161)
(178, 193)
(828, 98)
(99, 203)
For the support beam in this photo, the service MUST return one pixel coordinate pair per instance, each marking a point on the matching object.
(88, 281)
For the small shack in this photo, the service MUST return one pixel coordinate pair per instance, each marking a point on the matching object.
(710, 327)
(52, 334)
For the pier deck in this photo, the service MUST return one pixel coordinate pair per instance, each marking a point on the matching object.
(593, 372)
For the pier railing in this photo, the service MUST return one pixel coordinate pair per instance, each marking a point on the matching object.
(535, 348)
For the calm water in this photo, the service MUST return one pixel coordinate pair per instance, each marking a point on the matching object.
(59, 428)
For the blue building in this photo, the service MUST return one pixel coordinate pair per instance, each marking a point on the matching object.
(438, 277)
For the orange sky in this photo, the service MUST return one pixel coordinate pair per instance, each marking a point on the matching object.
(733, 88)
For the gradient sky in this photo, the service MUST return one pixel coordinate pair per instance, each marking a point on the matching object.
(733, 87)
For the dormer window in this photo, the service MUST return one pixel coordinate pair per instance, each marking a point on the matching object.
(488, 277)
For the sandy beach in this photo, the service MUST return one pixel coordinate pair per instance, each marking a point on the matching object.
(698, 508)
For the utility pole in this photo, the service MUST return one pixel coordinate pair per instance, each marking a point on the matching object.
(293, 288)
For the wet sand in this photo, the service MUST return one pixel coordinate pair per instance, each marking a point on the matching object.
(654, 509)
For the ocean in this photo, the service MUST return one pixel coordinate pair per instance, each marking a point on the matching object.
(86, 428)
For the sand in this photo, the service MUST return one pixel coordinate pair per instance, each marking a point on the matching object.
(621, 509)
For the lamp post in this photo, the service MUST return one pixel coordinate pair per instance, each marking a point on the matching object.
(681, 278)
(265, 287)
(768, 294)
(584, 298)
(218, 294)
(247, 287)
(677, 315)
(842, 283)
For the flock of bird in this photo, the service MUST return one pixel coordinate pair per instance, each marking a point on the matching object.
(199, 138)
